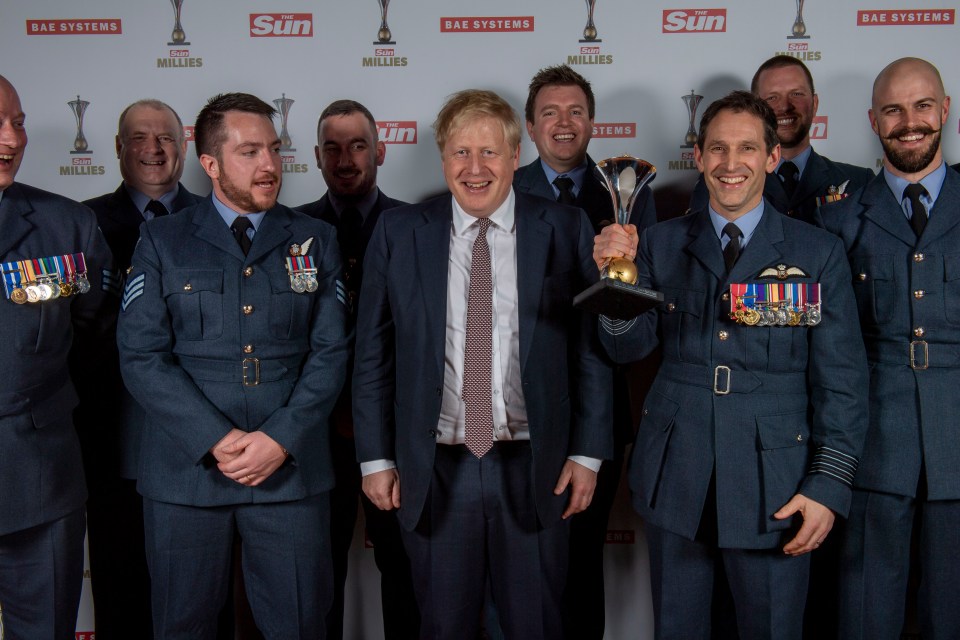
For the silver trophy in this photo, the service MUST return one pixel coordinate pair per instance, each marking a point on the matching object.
(383, 35)
(79, 107)
(692, 101)
(178, 38)
(617, 295)
(590, 31)
(284, 104)
(799, 31)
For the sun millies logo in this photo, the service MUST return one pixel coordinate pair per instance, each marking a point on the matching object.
(397, 131)
(694, 20)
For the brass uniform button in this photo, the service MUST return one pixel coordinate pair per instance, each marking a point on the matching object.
(247, 309)
(726, 296)
(918, 257)
(671, 307)
(799, 437)
(862, 277)
(188, 287)
(918, 293)
(919, 332)
(248, 348)
(723, 335)
(248, 272)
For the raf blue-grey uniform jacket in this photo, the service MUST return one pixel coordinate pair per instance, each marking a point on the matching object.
(908, 296)
(199, 321)
(41, 474)
(796, 401)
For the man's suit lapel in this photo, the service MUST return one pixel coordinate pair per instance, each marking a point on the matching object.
(881, 208)
(211, 229)
(762, 251)
(534, 181)
(815, 177)
(942, 218)
(533, 255)
(273, 231)
(704, 245)
(14, 215)
(432, 244)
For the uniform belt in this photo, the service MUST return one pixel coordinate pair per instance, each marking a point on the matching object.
(918, 354)
(248, 371)
(723, 379)
(16, 402)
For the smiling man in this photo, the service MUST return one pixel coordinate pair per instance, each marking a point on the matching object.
(560, 110)
(901, 237)
(481, 401)
(151, 148)
(232, 338)
(750, 435)
(803, 180)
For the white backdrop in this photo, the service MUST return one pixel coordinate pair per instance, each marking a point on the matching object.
(646, 57)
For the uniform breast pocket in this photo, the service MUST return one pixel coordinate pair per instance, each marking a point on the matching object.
(874, 285)
(289, 310)
(41, 327)
(784, 456)
(194, 299)
(951, 288)
(681, 320)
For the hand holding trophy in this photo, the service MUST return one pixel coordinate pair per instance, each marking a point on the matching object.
(617, 295)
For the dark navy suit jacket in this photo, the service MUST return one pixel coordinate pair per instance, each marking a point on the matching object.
(818, 176)
(109, 420)
(204, 308)
(913, 413)
(793, 390)
(41, 473)
(398, 380)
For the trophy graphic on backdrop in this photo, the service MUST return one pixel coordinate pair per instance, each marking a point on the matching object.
(799, 31)
(692, 101)
(617, 294)
(383, 35)
(284, 104)
(590, 31)
(178, 37)
(79, 107)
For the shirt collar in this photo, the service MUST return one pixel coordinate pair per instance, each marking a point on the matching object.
(932, 182)
(747, 223)
(229, 215)
(503, 217)
(576, 174)
(364, 205)
(800, 161)
(140, 200)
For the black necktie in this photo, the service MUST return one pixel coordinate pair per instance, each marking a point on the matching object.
(348, 237)
(565, 185)
(918, 212)
(732, 251)
(156, 208)
(789, 173)
(239, 228)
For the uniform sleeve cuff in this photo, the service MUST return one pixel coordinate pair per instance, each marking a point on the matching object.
(616, 327)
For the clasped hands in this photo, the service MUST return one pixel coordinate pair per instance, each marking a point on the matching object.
(248, 458)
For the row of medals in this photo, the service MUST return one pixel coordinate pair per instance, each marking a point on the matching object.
(49, 288)
(777, 314)
(305, 280)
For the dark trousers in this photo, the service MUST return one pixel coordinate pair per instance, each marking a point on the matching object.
(875, 564)
(41, 576)
(479, 523)
(401, 617)
(768, 588)
(118, 562)
(285, 552)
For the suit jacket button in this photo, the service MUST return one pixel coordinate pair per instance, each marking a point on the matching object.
(188, 287)
(862, 277)
(918, 257)
(919, 332)
(723, 335)
(248, 348)
(247, 309)
(726, 296)
(248, 272)
(919, 293)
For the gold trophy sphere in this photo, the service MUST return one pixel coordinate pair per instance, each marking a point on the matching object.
(623, 270)
(178, 36)
(384, 35)
(590, 33)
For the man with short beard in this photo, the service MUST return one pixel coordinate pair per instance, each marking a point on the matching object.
(348, 154)
(901, 235)
(804, 180)
(232, 338)
(151, 148)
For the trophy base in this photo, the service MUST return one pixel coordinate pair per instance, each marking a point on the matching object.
(385, 42)
(585, 41)
(798, 37)
(616, 299)
(83, 153)
(178, 44)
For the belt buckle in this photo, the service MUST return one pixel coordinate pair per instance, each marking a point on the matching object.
(716, 380)
(913, 355)
(248, 364)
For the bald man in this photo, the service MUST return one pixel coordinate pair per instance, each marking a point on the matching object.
(55, 264)
(902, 233)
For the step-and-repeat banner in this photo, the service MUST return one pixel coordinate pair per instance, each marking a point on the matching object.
(654, 66)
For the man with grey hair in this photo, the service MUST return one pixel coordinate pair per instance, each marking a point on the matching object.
(151, 147)
(481, 402)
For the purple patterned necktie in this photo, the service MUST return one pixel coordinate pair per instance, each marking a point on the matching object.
(478, 352)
